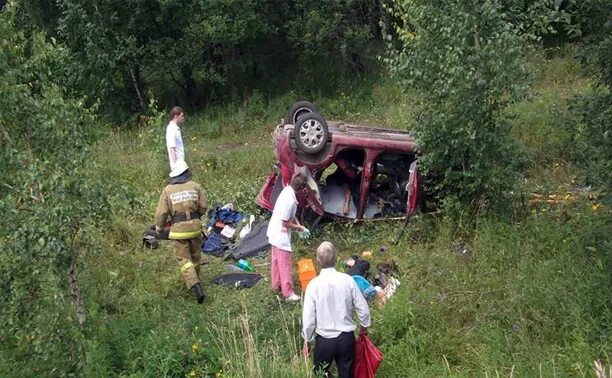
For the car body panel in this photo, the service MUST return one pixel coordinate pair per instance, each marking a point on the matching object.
(374, 143)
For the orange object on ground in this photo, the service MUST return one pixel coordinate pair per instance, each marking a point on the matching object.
(306, 272)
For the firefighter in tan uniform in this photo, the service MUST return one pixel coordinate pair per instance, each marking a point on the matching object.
(183, 202)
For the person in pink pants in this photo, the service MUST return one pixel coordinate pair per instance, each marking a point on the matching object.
(279, 236)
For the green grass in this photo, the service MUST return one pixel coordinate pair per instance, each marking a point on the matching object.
(531, 297)
(539, 121)
(528, 299)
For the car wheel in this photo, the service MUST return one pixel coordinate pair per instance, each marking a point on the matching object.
(311, 133)
(298, 109)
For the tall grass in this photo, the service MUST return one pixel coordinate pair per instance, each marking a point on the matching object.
(539, 121)
(279, 355)
(527, 298)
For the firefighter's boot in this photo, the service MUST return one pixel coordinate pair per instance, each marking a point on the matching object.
(198, 292)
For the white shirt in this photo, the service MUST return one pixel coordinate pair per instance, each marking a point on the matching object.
(174, 140)
(328, 305)
(284, 210)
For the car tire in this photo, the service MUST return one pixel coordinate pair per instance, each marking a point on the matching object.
(298, 109)
(311, 133)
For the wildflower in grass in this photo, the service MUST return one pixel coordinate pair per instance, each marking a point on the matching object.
(194, 347)
(192, 373)
(596, 206)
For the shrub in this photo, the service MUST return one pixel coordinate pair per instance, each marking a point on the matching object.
(464, 57)
(47, 207)
(592, 134)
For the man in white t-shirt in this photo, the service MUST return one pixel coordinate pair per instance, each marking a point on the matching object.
(279, 236)
(174, 140)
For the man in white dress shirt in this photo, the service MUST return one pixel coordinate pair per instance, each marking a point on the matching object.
(174, 139)
(327, 319)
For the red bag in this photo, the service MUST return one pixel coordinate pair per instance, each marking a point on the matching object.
(367, 357)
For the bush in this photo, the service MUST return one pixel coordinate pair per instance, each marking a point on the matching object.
(464, 57)
(47, 208)
(592, 134)
(591, 144)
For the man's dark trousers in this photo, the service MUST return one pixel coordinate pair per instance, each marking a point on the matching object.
(341, 349)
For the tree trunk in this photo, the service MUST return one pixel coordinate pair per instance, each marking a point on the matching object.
(190, 87)
(75, 293)
(137, 83)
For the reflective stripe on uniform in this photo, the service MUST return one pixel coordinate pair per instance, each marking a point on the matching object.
(186, 266)
(184, 235)
(183, 196)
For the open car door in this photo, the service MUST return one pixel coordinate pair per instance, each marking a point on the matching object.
(266, 198)
(312, 194)
(412, 187)
(309, 197)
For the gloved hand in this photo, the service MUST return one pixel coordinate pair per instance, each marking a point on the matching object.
(305, 234)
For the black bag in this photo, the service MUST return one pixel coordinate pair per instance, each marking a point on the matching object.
(253, 244)
(238, 280)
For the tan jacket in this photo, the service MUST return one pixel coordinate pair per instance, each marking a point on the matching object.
(184, 198)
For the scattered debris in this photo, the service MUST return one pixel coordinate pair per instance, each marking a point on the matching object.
(238, 280)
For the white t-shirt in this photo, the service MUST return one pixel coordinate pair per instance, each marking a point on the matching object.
(174, 139)
(284, 210)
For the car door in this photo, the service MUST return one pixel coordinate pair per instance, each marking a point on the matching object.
(311, 195)
(412, 187)
(266, 198)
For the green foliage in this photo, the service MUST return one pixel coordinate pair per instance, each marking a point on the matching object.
(47, 208)
(464, 58)
(123, 53)
(540, 121)
(529, 297)
(526, 297)
(340, 31)
(541, 19)
(519, 297)
(591, 142)
(527, 293)
(593, 18)
(195, 52)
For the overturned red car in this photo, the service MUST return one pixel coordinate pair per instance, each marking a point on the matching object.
(355, 172)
